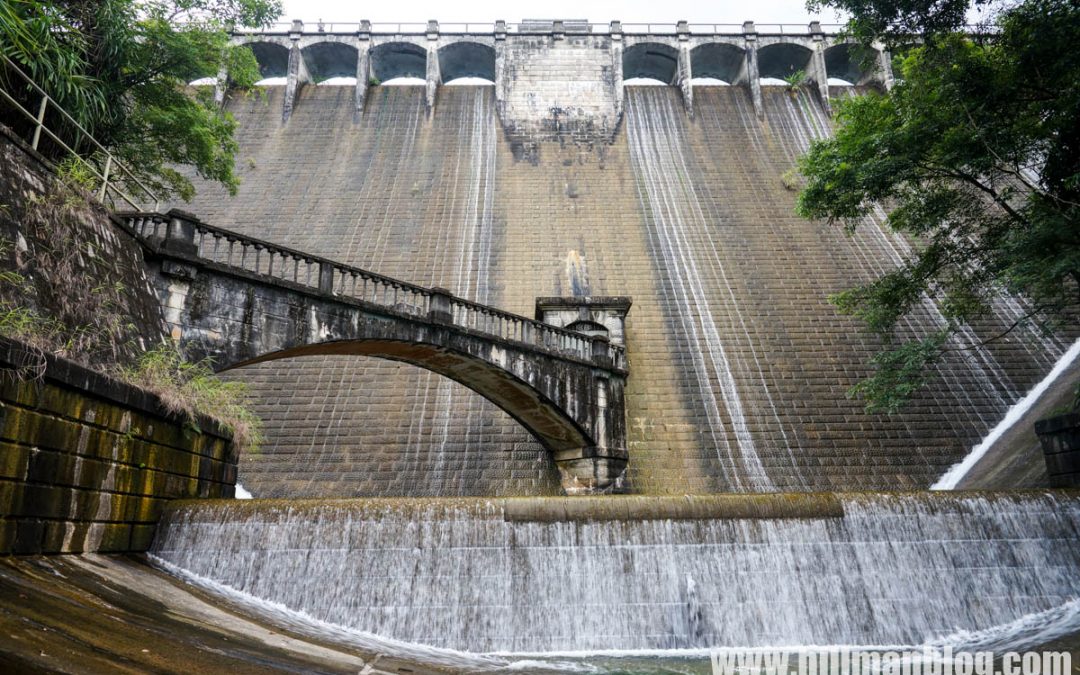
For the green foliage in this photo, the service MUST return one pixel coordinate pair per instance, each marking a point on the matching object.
(898, 21)
(976, 154)
(192, 389)
(120, 68)
(76, 171)
(373, 81)
(898, 374)
(795, 80)
(791, 180)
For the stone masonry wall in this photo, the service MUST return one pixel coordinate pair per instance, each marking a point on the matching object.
(73, 263)
(87, 463)
(558, 88)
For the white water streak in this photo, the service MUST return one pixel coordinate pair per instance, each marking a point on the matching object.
(954, 475)
(658, 157)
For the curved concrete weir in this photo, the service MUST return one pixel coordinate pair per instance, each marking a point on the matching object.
(639, 573)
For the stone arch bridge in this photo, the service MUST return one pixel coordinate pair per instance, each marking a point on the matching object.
(238, 301)
(562, 76)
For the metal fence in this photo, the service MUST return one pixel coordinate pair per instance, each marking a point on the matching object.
(109, 186)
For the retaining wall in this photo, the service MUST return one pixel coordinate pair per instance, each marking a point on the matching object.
(87, 462)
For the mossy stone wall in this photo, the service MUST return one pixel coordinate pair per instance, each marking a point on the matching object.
(87, 462)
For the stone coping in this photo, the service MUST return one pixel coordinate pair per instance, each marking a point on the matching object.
(14, 354)
(765, 506)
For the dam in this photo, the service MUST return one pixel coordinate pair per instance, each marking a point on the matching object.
(559, 180)
(622, 196)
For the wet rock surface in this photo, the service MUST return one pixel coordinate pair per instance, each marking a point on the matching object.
(115, 614)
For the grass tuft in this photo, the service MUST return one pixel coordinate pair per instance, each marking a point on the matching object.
(192, 389)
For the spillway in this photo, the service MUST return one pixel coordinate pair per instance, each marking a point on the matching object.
(638, 573)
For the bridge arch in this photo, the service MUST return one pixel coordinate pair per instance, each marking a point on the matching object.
(241, 301)
(781, 60)
(273, 59)
(467, 59)
(510, 392)
(718, 61)
(651, 61)
(845, 62)
(325, 60)
(394, 60)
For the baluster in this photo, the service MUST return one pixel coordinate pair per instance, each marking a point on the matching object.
(363, 287)
(270, 264)
(296, 269)
(307, 271)
(353, 291)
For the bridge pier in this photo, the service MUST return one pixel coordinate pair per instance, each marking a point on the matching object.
(753, 73)
(618, 90)
(298, 72)
(885, 66)
(684, 74)
(434, 79)
(363, 66)
(818, 72)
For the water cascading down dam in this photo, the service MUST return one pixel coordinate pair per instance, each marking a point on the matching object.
(567, 179)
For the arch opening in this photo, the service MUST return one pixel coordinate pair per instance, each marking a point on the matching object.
(590, 328)
(539, 415)
(273, 60)
(650, 61)
(717, 64)
(399, 63)
(330, 62)
(844, 64)
(779, 61)
(467, 63)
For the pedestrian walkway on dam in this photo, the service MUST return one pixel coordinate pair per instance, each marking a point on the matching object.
(237, 300)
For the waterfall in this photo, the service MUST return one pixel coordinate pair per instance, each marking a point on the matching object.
(469, 267)
(506, 576)
(678, 229)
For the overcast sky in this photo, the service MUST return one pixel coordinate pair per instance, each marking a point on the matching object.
(597, 11)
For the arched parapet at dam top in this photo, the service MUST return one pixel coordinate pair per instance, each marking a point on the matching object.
(559, 80)
(272, 57)
(652, 61)
(328, 59)
(781, 60)
(393, 60)
(466, 58)
(719, 61)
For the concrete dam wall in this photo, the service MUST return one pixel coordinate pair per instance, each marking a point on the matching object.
(739, 365)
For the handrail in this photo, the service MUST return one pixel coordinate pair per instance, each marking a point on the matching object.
(287, 264)
(530, 27)
(111, 163)
(702, 28)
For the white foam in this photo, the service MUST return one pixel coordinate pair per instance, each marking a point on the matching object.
(306, 624)
(241, 493)
(953, 476)
(404, 82)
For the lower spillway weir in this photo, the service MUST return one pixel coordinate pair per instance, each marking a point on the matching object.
(633, 573)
